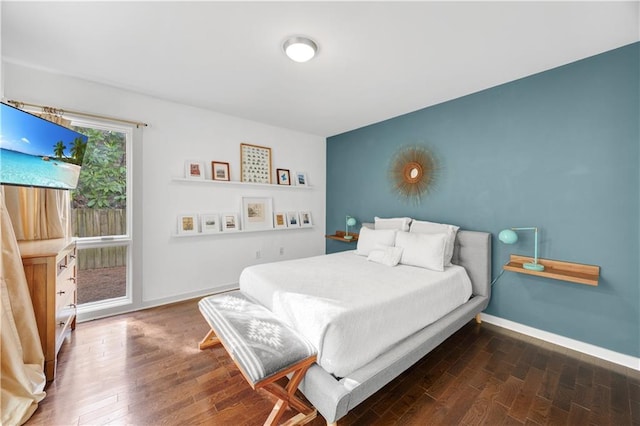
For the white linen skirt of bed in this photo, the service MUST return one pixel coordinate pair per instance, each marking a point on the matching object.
(351, 309)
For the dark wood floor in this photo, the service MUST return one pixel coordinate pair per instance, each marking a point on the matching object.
(145, 369)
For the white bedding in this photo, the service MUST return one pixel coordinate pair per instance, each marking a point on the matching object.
(351, 309)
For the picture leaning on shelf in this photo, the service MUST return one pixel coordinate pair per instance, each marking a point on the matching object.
(305, 218)
(255, 163)
(230, 222)
(220, 170)
(292, 219)
(209, 223)
(284, 176)
(301, 179)
(279, 220)
(194, 169)
(257, 213)
(187, 224)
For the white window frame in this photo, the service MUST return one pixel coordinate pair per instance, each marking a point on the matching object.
(93, 309)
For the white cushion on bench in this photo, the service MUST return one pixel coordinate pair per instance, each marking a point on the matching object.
(259, 342)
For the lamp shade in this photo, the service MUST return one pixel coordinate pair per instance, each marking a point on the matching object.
(351, 221)
(508, 236)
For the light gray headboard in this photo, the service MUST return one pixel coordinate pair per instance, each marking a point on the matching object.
(472, 251)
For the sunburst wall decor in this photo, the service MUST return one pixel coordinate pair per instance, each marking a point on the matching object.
(413, 172)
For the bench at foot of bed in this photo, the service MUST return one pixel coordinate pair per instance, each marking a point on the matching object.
(263, 348)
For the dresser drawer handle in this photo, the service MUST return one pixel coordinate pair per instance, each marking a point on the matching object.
(72, 256)
(72, 279)
(72, 305)
(61, 324)
(62, 266)
(61, 292)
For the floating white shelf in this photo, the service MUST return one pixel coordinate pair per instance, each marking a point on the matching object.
(250, 231)
(237, 183)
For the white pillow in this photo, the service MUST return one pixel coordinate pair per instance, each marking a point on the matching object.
(389, 256)
(422, 250)
(370, 238)
(424, 227)
(397, 223)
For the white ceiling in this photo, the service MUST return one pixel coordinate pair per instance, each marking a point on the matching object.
(376, 60)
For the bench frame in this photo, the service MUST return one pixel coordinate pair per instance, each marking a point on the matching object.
(286, 396)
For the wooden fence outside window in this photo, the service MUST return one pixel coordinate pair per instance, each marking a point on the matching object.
(99, 222)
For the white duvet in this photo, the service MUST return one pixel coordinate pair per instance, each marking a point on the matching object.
(351, 309)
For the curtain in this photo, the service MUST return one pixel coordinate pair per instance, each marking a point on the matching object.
(27, 214)
(22, 378)
(37, 213)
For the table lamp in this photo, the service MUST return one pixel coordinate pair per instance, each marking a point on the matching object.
(509, 236)
(350, 222)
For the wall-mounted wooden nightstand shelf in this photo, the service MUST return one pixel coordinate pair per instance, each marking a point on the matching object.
(565, 271)
(339, 236)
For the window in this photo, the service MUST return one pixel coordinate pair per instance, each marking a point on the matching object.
(101, 217)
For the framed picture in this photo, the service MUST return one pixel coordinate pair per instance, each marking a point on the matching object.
(194, 169)
(257, 213)
(209, 223)
(305, 218)
(279, 220)
(301, 179)
(219, 170)
(284, 176)
(292, 219)
(187, 224)
(255, 163)
(229, 222)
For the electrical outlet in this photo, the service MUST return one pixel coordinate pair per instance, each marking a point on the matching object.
(281, 251)
(258, 254)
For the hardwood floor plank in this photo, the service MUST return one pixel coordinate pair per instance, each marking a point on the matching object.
(578, 415)
(479, 410)
(584, 374)
(549, 384)
(539, 410)
(563, 397)
(145, 369)
(600, 405)
(508, 391)
(635, 412)
(520, 407)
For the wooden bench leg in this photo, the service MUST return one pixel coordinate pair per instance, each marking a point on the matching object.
(286, 397)
(209, 341)
(479, 318)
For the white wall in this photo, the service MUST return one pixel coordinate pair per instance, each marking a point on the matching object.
(170, 268)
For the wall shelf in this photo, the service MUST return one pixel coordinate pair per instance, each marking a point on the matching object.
(557, 270)
(339, 236)
(251, 231)
(237, 183)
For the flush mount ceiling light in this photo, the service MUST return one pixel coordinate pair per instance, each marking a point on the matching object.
(300, 48)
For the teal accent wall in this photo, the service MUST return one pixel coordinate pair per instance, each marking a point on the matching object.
(559, 150)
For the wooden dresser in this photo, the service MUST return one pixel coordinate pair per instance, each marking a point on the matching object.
(50, 267)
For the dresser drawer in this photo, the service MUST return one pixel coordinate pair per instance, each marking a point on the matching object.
(65, 288)
(50, 269)
(63, 322)
(67, 262)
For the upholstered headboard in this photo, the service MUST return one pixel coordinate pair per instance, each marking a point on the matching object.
(473, 252)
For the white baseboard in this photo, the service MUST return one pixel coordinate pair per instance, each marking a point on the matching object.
(576, 345)
(90, 315)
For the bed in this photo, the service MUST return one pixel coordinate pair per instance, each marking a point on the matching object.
(335, 300)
